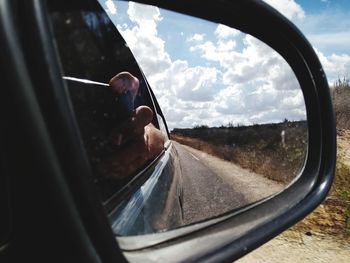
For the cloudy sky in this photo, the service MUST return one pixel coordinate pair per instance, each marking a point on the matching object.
(206, 73)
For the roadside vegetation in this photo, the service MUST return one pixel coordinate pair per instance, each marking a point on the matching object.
(341, 187)
(260, 148)
(332, 217)
(276, 151)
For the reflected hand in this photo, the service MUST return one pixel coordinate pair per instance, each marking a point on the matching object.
(138, 139)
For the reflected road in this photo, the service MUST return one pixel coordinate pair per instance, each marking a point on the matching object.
(212, 186)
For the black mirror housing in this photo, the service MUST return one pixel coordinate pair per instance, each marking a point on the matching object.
(235, 236)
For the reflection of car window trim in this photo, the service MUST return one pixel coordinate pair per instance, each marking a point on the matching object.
(150, 92)
(156, 105)
(167, 144)
(122, 221)
(85, 81)
(135, 183)
(148, 240)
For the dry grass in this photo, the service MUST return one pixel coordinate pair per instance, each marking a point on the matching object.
(272, 160)
(257, 148)
(332, 217)
(341, 102)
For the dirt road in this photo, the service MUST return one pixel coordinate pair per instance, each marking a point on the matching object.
(212, 186)
(293, 246)
(343, 143)
(308, 242)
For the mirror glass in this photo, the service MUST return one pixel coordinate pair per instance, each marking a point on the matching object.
(234, 110)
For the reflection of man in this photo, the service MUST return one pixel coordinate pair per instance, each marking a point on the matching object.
(138, 140)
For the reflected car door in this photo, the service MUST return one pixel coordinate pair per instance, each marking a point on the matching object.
(92, 51)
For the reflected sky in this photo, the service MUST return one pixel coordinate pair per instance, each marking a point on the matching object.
(207, 74)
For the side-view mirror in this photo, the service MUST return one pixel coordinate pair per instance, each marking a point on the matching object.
(233, 235)
(59, 59)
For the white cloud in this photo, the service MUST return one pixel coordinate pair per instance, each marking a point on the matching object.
(226, 46)
(229, 100)
(196, 83)
(288, 8)
(222, 51)
(339, 40)
(328, 32)
(276, 115)
(186, 83)
(140, 14)
(257, 81)
(143, 39)
(336, 66)
(223, 31)
(292, 100)
(196, 37)
(110, 7)
(248, 84)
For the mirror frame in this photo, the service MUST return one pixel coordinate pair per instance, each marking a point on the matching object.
(234, 235)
